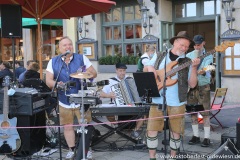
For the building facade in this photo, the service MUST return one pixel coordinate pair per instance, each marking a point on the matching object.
(119, 32)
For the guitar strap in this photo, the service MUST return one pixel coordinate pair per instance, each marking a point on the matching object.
(115, 79)
(160, 57)
(200, 62)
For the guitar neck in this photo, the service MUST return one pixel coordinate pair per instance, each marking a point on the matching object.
(188, 63)
(5, 104)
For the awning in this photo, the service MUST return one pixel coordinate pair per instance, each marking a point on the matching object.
(30, 22)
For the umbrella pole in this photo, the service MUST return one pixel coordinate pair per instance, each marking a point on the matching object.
(39, 48)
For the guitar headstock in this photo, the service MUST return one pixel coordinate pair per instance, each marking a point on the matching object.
(224, 46)
(229, 43)
(6, 81)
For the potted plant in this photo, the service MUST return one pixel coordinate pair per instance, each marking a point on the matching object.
(107, 63)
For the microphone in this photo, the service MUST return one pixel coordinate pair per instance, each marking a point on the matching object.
(65, 54)
(165, 45)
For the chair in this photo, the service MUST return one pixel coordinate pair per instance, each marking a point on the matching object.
(217, 103)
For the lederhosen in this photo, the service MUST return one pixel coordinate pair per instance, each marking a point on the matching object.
(156, 124)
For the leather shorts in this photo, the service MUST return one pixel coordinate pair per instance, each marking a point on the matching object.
(176, 123)
(67, 115)
(200, 95)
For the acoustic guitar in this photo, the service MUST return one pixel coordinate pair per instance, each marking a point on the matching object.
(9, 137)
(170, 71)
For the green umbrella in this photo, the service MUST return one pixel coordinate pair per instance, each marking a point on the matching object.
(31, 22)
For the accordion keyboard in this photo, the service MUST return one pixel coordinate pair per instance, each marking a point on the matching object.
(119, 100)
(126, 92)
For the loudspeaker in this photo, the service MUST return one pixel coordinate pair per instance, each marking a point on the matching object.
(32, 139)
(238, 135)
(226, 151)
(231, 136)
(11, 19)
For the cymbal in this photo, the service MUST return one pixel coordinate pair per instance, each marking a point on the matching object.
(81, 75)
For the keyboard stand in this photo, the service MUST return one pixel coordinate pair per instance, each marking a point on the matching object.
(115, 130)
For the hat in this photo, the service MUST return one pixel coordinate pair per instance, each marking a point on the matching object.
(121, 66)
(198, 39)
(182, 34)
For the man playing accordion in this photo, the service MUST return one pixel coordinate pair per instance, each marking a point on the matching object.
(112, 92)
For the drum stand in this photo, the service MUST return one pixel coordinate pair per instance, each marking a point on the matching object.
(82, 129)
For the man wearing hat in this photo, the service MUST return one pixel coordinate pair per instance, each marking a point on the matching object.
(121, 75)
(200, 95)
(176, 94)
(107, 93)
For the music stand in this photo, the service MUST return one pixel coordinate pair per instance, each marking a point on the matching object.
(38, 84)
(146, 84)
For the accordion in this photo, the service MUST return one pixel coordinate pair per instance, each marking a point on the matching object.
(126, 92)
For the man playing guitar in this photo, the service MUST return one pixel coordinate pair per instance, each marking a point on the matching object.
(176, 93)
(200, 95)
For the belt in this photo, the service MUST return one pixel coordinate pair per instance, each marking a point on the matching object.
(157, 105)
(204, 86)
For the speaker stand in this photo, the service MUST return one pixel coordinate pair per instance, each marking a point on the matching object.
(14, 57)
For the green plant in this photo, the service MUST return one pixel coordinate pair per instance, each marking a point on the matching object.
(116, 59)
(102, 60)
(132, 60)
(112, 60)
(108, 60)
(125, 59)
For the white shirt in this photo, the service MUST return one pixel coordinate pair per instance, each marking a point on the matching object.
(145, 60)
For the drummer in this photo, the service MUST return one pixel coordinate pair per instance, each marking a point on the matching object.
(68, 63)
(107, 93)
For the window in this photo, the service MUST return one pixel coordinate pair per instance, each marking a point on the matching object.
(191, 9)
(185, 10)
(231, 60)
(208, 7)
(122, 31)
(196, 9)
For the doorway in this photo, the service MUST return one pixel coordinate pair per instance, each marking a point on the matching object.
(207, 29)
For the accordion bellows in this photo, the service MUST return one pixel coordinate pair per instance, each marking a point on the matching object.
(126, 92)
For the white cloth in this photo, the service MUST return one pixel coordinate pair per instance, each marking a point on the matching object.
(195, 130)
(206, 132)
(145, 60)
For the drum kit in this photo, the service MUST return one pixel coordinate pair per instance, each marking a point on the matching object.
(84, 97)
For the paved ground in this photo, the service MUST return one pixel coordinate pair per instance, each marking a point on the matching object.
(117, 148)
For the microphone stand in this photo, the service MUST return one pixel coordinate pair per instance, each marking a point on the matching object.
(59, 131)
(164, 109)
(82, 130)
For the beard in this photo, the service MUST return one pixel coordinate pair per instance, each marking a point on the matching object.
(179, 53)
